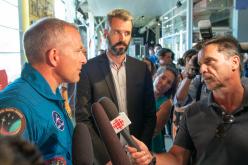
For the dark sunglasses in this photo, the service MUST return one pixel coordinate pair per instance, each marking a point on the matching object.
(226, 124)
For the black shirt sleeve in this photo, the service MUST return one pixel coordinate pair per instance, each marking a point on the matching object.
(183, 138)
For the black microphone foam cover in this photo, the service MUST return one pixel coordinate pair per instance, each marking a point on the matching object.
(116, 151)
(112, 113)
(109, 107)
(82, 150)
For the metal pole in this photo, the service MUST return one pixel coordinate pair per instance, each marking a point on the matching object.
(189, 24)
(23, 10)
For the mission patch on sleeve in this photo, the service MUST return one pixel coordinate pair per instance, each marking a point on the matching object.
(12, 122)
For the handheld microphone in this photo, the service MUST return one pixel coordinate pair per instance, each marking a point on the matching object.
(82, 150)
(110, 139)
(112, 113)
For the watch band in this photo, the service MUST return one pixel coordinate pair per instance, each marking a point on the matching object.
(153, 161)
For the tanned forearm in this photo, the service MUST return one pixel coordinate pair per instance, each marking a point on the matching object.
(183, 89)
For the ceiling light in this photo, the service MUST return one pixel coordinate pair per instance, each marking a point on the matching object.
(165, 18)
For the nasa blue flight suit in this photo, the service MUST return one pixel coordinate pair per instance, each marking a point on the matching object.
(29, 108)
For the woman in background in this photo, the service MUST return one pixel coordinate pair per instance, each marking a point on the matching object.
(164, 85)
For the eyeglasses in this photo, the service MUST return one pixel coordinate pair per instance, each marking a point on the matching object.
(226, 124)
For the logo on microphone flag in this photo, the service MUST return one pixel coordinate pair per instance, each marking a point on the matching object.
(120, 122)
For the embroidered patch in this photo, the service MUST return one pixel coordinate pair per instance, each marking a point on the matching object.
(59, 123)
(12, 122)
(56, 161)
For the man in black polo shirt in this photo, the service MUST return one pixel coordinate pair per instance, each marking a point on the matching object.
(213, 130)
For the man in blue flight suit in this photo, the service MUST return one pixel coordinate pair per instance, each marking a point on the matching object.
(32, 106)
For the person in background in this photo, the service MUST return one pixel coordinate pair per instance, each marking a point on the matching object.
(212, 130)
(152, 57)
(190, 89)
(164, 88)
(186, 58)
(125, 80)
(32, 106)
(165, 57)
(157, 47)
(150, 65)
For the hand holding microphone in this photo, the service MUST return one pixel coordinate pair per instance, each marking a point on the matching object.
(116, 151)
(112, 113)
(143, 157)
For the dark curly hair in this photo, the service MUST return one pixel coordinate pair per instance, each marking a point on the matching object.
(14, 150)
(163, 51)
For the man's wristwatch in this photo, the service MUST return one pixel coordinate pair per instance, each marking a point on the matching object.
(153, 161)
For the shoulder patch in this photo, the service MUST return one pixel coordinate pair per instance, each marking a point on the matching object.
(12, 122)
(58, 121)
